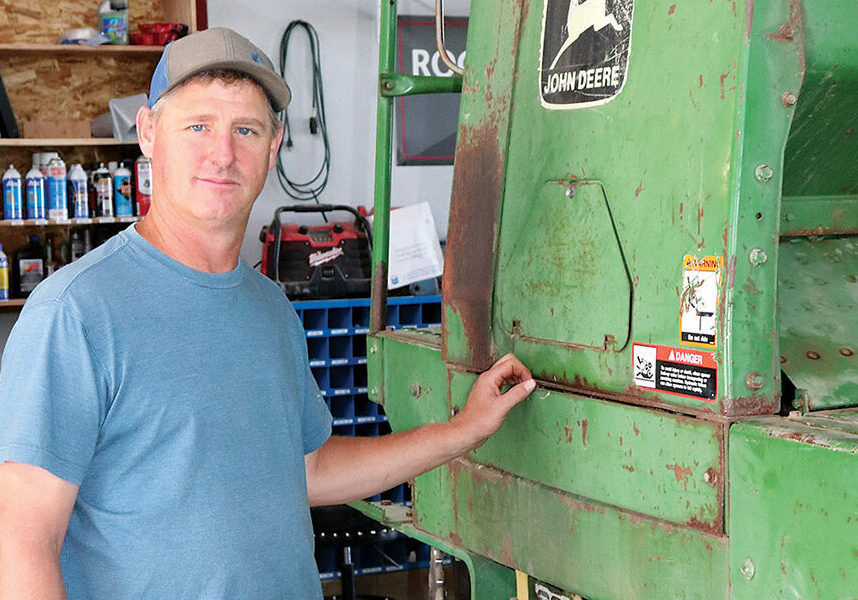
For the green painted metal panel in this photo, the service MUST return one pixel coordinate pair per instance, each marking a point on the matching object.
(819, 215)
(543, 302)
(647, 461)
(817, 299)
(822, 145)
(585, 547)
(415, 380)
(794, 509)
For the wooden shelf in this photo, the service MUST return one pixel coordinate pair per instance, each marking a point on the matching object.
(39, 142)
(66, 223)
(77, 50)
(12, 304)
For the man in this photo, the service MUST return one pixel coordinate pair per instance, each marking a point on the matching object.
(162, 433)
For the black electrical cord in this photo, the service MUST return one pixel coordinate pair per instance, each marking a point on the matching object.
(312, 188)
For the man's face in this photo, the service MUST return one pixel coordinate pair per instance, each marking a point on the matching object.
(211, 148)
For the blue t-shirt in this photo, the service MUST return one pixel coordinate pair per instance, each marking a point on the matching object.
(182, 404)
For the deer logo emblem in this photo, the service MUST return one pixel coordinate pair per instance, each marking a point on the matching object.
(582, 16)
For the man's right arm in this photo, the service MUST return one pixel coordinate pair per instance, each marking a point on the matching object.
(35, 507)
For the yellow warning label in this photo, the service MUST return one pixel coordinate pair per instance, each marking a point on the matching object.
(698, 303)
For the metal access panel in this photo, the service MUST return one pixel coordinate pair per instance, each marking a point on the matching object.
(616, 199)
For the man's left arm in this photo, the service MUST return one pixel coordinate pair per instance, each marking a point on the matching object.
(345, 469)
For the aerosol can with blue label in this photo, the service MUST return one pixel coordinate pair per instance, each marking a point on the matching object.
(13, 203)
(35, 183)
(79, 191)
(57, 190)
(122, 191)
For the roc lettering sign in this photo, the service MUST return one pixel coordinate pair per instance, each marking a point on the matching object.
(585, 51)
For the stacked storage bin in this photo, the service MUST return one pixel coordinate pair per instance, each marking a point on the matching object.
(336, 344)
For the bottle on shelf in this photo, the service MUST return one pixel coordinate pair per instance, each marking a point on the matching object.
(57, 189)
(49, 255)
(4, 275)
(76, 245)
(13, 203)
(122, 191)
(35, 182)
(143, 185)
(79, 191)
(103, 191)
(29, 267)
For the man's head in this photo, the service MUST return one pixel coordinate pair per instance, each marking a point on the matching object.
(212, 131)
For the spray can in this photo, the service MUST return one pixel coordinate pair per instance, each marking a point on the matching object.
(79, 191)
(13, 203)
(122, 191)
(103, 191)
(35, 182)
(57, 189)
(4, 275)
(143, 185)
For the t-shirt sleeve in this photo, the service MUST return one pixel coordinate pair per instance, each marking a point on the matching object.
(51, 393)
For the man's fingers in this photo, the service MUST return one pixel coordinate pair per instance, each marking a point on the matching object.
(508, 369)
(519, 392)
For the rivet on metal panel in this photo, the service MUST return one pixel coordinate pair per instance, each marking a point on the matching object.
(846, 351)
(454, 411)
(754, 381)
(710, 476)
(373, 348)
(758, 256)
(763, 172)
(374, 392)
(416, 390)
(812, 355)
(570, 191)
(748, 569)
(788, 99)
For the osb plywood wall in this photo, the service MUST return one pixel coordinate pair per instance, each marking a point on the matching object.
(42, 22)
(72, 88)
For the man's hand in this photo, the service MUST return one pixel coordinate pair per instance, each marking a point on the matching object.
(350, 468)
(487, 407)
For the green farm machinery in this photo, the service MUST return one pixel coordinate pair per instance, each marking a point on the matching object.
(655, 207)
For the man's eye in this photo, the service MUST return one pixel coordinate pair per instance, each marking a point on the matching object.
(245, 130)
(197, 127)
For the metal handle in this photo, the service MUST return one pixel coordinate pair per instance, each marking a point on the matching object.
(439, 39)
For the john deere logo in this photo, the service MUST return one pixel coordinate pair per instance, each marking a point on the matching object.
(585, 51)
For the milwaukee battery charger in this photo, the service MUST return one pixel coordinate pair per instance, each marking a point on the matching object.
(333, 260)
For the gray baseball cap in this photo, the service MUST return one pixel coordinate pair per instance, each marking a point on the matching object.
(216, 48)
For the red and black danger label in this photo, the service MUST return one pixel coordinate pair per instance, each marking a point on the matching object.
(679, 371)
(585, 51)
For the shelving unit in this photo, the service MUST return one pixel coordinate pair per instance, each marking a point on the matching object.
(336, 346)
(59, 89)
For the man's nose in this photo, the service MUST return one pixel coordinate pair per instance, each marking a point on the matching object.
(222, 148)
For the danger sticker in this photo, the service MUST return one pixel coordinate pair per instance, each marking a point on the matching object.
(698, 303)
(585, 51)
(689, 373)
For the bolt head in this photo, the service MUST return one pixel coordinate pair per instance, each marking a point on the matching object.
(788, 99)
(763, 172)
(757, 257)
(748, 569)
(754, 381)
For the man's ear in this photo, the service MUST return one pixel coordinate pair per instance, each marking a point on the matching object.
(145, 130)
(275, 146)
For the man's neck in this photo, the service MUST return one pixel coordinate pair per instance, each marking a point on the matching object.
(211, 249)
